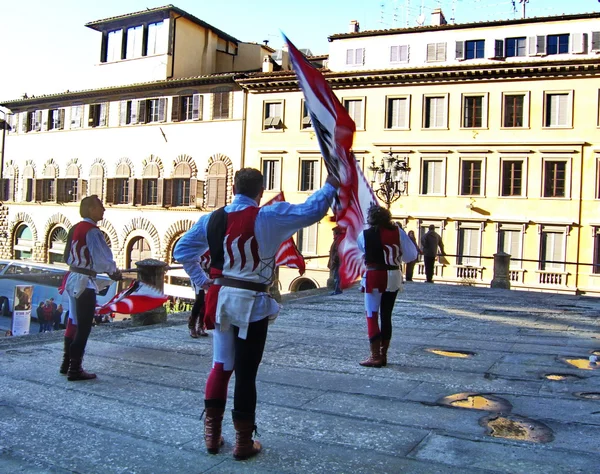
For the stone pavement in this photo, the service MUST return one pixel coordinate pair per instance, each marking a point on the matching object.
(319, 411)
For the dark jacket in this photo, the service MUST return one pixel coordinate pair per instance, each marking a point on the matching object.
(430, 243)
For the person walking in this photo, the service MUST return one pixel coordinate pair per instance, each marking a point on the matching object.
(430, 243)
(334, 259)
(243, 240)
(410, 266)
(384, 246)
(87, 254)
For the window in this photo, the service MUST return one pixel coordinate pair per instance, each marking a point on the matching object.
(512, 178)
(8, 185)
(157, 40)
(356, 111)
(271, 174)
(471, 178)
(557, 44)
(114, 47)
(474, 49)
(307, 240)
(98, 115)
(558, 109)
(56, 245)
(120, 189)
(273, 116)
(596, 260)
(154, 110)
(76, 116)
(555, 178)
(23, 244)
(552, 251)
(56, 119)
(128, 112)
(308, 175)
(150, 185)
(514, 111)
(510, 241)
(96, 180)
(432, 181)
(221, 103)
(306, 120)
(355, 57)
(435, 112)
(31, 121)
(187, 107)
(436, 52)
(71, 188)
(135, 36)
(473, 111)
(468, 246)
(397, 113)
(28, 184)
(216, 186)
(399, 54)
(595, 41)
(178, 190)
(515, 47)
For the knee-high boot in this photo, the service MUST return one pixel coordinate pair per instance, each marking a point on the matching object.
(76, 371)
(245, 446)
(374, 360)
(64, 367)
(213, 421)
(384, 348)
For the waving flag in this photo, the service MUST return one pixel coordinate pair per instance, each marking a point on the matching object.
(335, 131)
(137, 298)
(288, 254)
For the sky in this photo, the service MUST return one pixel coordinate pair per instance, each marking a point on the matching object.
(47, 49)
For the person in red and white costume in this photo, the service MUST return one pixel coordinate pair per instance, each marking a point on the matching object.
(384, 245)
(243, 240)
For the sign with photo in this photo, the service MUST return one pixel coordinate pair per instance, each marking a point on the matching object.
(21, 318)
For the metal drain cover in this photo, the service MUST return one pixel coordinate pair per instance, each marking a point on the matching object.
(517, 428)
(477, 401)
(451, 353)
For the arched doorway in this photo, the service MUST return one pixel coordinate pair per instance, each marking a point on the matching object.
(56, 245)
(138, 249)
(23, 243)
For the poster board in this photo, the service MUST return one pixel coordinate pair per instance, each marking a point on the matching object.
(21, 318)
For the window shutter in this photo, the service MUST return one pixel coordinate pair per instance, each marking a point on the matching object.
(123, 112)
(394, 54)
(407, 54)
(133, 119)
(11, 189)
(360, 56)
(402, 118)
(141, 111)
(499, 49)
(562, 104)
(221, 191)
(167, 198)
(196, 112)
(211, 192)
(139, 192)
(540, 45)
(460, 50)
(349, 56)
(474, 246)
(38, 120)
(61, 119)
(131, 191)
(82, 189)
(61, 191)
(92, 115)
(193, 191)
(160, 191)
(515, 246)
(441, 51)
(162, 108)
(175, 108)
(110, 191)
(199, 195)
(531, 44)
(103, 115)
(438, 106)
(38, 193)
(104, 47)
(45, 119)
(596, 41)
(578, 43)
(557, 249)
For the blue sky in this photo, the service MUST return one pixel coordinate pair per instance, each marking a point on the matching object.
(46, 47)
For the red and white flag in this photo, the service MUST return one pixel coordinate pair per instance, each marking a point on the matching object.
(288, 254)
(137, 298)
(335, 129)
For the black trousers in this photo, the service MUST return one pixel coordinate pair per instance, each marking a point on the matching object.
(86, 307)
(248, 356)
(429, 264)
(388, 298)
(197, 313)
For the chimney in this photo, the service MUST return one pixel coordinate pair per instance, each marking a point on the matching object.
(267, 65)
(354, 26)
(437, 17)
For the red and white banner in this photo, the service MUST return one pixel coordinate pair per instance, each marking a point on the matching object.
(335, 129)
(137, 298)
(288, 254)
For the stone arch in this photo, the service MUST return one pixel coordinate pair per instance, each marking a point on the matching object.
(153, 159)
(112, 235)
(126, 161)
(23, 218)
(173, 233)
(13, 165)
(53, 221)
(188, 160)
(73, 162)
(47, 172)
(140, 226)
(101, 162)
(303, 283)
(30, 164)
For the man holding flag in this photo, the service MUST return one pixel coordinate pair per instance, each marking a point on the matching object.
(243, 240)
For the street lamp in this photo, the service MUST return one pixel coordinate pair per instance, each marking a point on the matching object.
(391, 176)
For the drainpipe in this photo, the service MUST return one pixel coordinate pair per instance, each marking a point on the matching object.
(244, 114)
(3, 146)
(579, 217)
(172, 45)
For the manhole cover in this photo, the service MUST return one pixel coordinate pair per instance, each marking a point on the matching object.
(446, 353)
(561, 377)
(580, 363)
(517, 428)
(588, 395)
(477, 401)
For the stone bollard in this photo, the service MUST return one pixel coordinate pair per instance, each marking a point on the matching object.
(501, 273)
(152, 272)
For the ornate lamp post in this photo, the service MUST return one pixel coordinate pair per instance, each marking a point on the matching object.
(391, 176)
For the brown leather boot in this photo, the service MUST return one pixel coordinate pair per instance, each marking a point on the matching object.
(375, 359)
(245, 446)
(214, 410)
(64, 367)
(76, 372)
(384, 349)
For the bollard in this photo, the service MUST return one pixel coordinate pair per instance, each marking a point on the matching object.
(501, 273)
(152, 272)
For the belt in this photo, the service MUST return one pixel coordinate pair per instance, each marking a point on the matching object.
(382, 267)
(83, 271)
(243, 284)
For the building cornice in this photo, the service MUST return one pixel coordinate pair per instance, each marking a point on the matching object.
(286, 81)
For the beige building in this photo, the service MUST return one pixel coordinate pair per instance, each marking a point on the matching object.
(498, 121)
